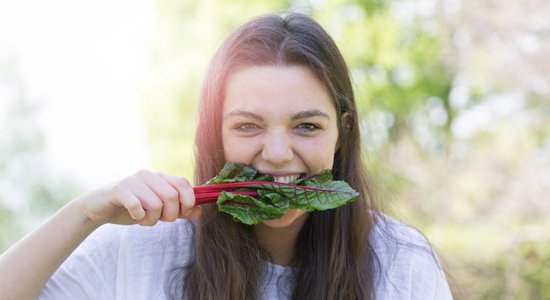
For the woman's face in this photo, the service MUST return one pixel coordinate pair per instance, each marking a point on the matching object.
(281, 121)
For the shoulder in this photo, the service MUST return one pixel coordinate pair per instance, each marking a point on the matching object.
(163, 232)
(406, 264)
(159, 243)
(111, 243)
(390, 235)
(113, 237)
(126, 260)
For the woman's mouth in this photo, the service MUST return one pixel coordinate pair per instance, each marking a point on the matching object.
(286, 178)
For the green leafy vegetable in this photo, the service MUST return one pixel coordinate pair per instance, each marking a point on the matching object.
(251, 197)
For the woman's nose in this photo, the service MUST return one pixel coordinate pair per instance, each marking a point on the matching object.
(277, 148)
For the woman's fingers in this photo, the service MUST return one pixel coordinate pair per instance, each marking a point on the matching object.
(148, 197)
(164, 202)
(186, 196)
(165, 197)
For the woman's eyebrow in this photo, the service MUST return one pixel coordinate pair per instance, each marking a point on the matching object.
(309, 113)
(301, 115)
(243, 113)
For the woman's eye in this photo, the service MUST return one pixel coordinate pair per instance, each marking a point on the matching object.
(308, 127)
(246, 127)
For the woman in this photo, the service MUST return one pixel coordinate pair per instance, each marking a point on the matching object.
(278, 97)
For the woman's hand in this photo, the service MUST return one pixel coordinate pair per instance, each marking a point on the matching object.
(143, 198)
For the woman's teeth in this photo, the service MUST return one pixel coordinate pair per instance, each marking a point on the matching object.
(286, 179)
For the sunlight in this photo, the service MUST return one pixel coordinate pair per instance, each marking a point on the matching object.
(83, 61)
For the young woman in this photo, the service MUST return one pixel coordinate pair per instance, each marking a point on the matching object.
(277, 97)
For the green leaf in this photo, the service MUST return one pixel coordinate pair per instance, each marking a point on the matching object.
(248, 210)
(237, 172)
(274, 199)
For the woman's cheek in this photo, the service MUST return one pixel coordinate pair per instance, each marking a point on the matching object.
(240, 150)
(319, 153)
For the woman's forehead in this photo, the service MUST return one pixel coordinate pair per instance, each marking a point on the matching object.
(292, 88)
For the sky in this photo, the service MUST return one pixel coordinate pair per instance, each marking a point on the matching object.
(83, 62)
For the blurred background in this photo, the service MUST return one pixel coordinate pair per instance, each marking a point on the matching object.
(454, 97)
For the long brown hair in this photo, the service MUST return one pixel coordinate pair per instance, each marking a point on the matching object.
(333, 256)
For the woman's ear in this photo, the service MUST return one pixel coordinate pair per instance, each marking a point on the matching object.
(345, 124)
(346, 121)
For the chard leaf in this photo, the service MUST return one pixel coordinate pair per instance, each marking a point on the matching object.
(274, 199)
(247, 209)
(237, 172)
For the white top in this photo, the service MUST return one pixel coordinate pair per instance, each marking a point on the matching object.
(135, 262)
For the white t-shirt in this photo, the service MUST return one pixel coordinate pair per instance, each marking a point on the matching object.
(135, 262)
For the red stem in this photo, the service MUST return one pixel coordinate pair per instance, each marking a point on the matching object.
(203, 195)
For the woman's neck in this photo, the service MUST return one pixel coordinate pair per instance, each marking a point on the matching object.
(279, 242)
